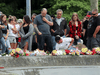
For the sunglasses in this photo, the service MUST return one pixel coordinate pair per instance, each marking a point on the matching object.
(33, 18)
(94, 14)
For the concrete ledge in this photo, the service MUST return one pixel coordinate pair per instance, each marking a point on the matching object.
(37, 61)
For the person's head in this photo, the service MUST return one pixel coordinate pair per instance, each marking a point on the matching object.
(3, 18)
(59, 13)
(10, 20)
(43, 12)
(52, 16)
(14, 20)
(26, 19)
(75, 17)
(20, 21)
(58, 39)
(89, 13)
(33, 16)
(94, 12)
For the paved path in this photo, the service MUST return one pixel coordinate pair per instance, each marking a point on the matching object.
(52, 70)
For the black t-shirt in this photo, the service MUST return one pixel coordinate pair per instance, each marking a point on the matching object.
(93, 23)
(85, 25)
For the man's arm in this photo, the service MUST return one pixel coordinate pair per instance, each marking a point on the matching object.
(71, 42)
(96, 31)
(37, 30)
(65, 31)
(48, 22)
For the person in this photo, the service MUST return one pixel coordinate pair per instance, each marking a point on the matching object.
(64, 43)
(19, 22)
(2, 42)
(85, 25)
(59, 27)
(93, 30)
(26, 33)
(42, 25)
(75, 28)
(33, 17)
(34, 40)
(12, 33)
(52, 17)
(5, 30)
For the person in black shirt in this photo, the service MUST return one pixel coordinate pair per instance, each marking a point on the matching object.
(85, 25)
(93, 33)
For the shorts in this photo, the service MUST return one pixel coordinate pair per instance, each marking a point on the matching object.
(12, 39)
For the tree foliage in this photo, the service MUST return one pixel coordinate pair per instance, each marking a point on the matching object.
(18, 7)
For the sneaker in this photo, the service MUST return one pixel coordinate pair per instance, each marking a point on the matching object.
(0, 55)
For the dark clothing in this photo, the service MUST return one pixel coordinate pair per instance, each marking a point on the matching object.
(43, 27)
(44, 39)
(4, 31)
(85, 25)
(93, 42)
(59, 30)
(1, 34)
(93, 23)
(26, 29)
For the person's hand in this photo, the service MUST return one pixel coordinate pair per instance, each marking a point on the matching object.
(0, 26)
(77, 37)
(94, 35)
(44, 19)
(39, 33)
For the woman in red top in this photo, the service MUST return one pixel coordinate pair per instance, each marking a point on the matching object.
(75, 28)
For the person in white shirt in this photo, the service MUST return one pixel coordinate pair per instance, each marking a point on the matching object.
(64, 43)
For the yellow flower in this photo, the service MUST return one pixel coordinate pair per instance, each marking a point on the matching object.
(98, 49)
(12, 52)
(84, 50)
(54, 51)
(64, 53)
(77, 52)
(17, 50)
(89, 52)
(73, 53)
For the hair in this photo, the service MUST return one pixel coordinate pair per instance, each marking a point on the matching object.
(19, 21)
(34, 14)
(89, 13)
(2, 18)
(95, 10)
(53, 16)
(27, 19)
(15, 19)
(44, 9)
(59, 10)
(73, 16)
(57, 38)
(10, 19)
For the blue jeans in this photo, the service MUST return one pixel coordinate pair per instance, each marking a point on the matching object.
(2, 42)
(71, 48)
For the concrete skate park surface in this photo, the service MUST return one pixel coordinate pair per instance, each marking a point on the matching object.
(51, 65)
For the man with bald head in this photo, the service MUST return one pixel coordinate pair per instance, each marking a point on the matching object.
(42, 24)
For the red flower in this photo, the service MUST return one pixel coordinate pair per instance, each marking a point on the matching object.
(27, 54)
(82, 53)
(93, 52)
(17, 56)
(67, 51)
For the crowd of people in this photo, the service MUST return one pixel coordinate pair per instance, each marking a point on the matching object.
(47, 33)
